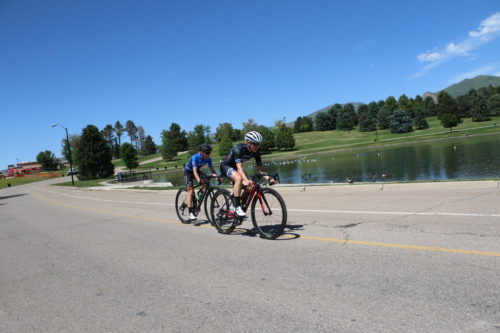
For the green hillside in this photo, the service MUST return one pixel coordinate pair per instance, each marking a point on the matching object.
(464, 86)
(455, 90)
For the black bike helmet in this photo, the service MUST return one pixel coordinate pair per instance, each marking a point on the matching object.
(205, 148)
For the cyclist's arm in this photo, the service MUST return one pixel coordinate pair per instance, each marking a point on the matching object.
(196, 175)
(214, 174)
(263, 172)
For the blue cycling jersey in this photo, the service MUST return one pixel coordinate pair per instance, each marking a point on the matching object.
(198, 161)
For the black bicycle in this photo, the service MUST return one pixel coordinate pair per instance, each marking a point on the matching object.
(200, 198)
(267, 209)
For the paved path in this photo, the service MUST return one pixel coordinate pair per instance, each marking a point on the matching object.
(359, 258)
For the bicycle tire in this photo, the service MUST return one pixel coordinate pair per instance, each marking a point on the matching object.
(221, 208)
(181, 206)
(269, 226)
(209, 196)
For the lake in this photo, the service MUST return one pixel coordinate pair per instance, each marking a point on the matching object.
(474, 157)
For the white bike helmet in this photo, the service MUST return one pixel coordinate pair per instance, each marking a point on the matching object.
(254, 137)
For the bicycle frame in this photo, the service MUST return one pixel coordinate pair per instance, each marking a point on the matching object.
(254, 191)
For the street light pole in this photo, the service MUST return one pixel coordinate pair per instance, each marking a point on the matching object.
(69, 151)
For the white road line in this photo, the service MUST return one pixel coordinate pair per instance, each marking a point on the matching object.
(107, 200)
(294, 210)
(389, 213)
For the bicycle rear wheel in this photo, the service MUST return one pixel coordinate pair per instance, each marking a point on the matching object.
(181, 206)
(222, 212)
(270, 216)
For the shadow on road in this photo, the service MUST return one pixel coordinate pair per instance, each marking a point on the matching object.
(12, 196)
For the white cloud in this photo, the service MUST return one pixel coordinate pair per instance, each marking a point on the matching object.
(488, 26)
(485, 70)
(487, 31)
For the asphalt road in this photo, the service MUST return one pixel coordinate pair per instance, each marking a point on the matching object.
(359, 258)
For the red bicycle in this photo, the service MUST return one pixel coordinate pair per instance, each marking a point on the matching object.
(267, 209)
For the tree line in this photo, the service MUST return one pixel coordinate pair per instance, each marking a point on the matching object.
(405, 114)
(92, 151)
(175, 140)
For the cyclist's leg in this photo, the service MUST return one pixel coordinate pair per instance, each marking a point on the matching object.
(238, 181)
(188, 179)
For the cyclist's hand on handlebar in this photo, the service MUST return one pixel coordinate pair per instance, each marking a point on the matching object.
(271, 181)
(247, 183)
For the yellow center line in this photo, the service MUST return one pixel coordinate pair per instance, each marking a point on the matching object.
(403, 246)
(323, 239)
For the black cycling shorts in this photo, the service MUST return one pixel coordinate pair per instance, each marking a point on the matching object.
(227, 170)
(189, 176)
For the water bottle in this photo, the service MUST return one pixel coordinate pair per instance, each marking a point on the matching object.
(199, 195)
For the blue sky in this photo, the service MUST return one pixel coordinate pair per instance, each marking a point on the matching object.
(207, 62)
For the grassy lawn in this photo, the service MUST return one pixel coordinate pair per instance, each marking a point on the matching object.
(19, 181)
(85, 183)
(141, 158)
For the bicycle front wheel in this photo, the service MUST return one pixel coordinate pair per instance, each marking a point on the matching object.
(209, 197)
(222, 212)
(269, 216)
(181, 206)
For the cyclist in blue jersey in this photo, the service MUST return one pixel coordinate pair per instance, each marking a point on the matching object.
(232, 166)
(192, 170)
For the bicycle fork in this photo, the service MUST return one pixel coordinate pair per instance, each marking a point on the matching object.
(262, 201)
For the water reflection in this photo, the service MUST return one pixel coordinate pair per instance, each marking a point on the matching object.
(460, 158)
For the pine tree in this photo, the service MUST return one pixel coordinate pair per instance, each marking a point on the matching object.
(306, 125)
(149, 146)
(129, 156)
(322, 122)
(430, 107)
(283, 136)
(446, 105)
(401, 122)
(391, 104)
(367, 122)
(345, 119)
(131, 130)
(419, 122)
(494, 105)
(479, 110)
(94, 156)
(463, 106)
(119, 132)
(297, 125)
(108, 134)
(383, 118)
(332, 115)
(268, 140)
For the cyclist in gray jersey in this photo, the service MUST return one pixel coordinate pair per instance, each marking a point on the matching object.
(232, 166)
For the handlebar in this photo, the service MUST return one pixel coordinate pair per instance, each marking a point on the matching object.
(255, 178)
